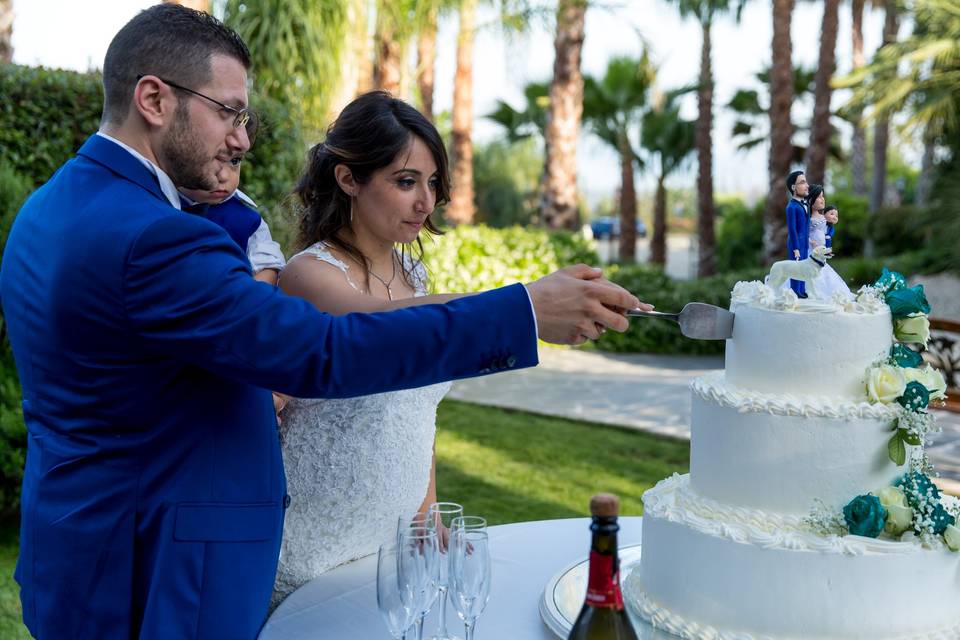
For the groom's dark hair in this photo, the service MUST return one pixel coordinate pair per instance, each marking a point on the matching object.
(792, 180)
(170, 42)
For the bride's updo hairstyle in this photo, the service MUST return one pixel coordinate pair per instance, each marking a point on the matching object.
(816, 190)
(368, 135)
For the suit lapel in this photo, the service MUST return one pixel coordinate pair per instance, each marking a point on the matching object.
(121, 162)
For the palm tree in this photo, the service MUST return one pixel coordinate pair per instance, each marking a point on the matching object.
(881, 134)
(612, 108)
(705, 11)
(919, 74)
(461, 207)
(670, 140)
(6, 30)
(752, 111)
(858, 143)
(356, 75)
(388, 43)
(426, 60)
(532, 120)
(815, 162)
(297, 50)
(558, 203)
(781, 132)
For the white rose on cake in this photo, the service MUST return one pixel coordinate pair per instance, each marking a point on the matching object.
(885, 383)
(914, 328)
(930, 378)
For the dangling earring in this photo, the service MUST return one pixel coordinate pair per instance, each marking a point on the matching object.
(351, 209)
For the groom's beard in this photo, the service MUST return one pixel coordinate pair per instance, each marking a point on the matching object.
(185, 159)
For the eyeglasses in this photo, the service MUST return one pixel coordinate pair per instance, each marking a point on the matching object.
(242, 117)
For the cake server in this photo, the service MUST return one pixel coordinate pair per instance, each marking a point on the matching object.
(697, 320)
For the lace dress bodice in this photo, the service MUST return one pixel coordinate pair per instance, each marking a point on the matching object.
(818, 232)
(353, 467)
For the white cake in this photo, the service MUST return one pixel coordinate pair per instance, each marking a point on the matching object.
(729, 551)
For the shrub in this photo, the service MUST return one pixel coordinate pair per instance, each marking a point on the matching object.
(739, 234)
(852, 228)
(476, 258)
(45, 116)
(14, 189)
(13, 437)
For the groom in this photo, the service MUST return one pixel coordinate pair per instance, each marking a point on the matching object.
(798, 224)
(154, 494)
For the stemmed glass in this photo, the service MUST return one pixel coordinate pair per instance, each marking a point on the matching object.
(469, 575)
(420, 543)
(441, 515)
(396, 588)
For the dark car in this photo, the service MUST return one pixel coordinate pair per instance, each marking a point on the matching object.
(609, 227)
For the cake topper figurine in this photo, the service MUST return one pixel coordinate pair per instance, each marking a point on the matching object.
(798, 224)
(804, 271)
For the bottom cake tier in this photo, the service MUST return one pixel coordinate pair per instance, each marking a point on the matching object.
(718, 572)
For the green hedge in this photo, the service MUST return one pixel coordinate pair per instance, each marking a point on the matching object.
(476, 258)
(45, 116)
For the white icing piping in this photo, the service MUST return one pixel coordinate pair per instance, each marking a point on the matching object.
(669, 621)
(713, 387)
(673, 500)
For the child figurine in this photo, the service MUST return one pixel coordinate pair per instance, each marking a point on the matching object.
(833, 217)
(233, 210)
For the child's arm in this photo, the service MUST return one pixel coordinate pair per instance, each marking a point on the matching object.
(265, 255)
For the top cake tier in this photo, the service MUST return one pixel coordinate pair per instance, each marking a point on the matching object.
(814, 348)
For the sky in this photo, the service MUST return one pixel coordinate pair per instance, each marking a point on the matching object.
(68, 34)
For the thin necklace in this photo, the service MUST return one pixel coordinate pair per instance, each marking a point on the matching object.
(387, 283)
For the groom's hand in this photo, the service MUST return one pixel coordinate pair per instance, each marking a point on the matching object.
(577, 303)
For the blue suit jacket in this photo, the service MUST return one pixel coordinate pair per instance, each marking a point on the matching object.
(798, 229)
(154, 493)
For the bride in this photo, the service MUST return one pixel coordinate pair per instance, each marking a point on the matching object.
(354, 466)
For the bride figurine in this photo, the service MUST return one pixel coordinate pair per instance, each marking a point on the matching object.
(355, 465)
(829, 283)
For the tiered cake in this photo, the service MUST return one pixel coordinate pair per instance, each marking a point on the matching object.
(731, 551)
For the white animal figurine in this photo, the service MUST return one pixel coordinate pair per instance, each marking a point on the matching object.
(806, 270)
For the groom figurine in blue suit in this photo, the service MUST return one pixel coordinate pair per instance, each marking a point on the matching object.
(798, 225)
(154, 493)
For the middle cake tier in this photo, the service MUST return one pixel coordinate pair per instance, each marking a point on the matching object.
(780, 453)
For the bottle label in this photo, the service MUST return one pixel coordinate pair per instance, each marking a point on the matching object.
(603, 586)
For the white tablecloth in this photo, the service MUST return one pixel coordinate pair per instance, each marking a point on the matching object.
(342, 603)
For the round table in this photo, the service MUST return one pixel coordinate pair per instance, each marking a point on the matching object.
(342, 603)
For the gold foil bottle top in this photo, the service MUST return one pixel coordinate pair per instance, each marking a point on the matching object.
(605, 505)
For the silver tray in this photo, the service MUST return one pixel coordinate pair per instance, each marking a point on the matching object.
(563, 597)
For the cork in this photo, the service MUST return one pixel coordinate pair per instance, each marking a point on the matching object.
(605, 505)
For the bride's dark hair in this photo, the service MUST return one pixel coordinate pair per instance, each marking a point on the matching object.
(367, 135)
(816, 190)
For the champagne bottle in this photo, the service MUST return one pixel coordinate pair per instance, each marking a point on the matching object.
(603, 616)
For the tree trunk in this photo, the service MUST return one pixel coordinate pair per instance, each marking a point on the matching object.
(925, 180)
(658, 243)
(706, 238)
(816, 160)
(628, 205)
(199, 5)
(356, 76)
(881, 136)
(781, 133)
(858, 150)
(426, 63)
(558, 204)
(6, 30)
(386, 70)
(461, 209)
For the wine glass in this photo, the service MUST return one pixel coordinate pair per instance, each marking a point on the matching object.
(470, 523)
(421, 546)
(469, 575)
(441, 515)
(396, 588)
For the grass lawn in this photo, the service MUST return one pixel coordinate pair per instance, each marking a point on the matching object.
(508, 466)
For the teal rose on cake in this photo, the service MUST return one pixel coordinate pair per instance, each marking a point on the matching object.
(889, 281)
(865, 516)
(914, 328)
(941, 519)
(905, 302)
(905, 357)
(915, 397)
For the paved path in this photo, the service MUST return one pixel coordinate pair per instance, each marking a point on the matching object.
(644, 392)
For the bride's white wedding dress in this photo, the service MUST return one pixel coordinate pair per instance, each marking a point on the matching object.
(353, 467)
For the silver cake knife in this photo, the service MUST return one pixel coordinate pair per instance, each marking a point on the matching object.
(697, 320)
